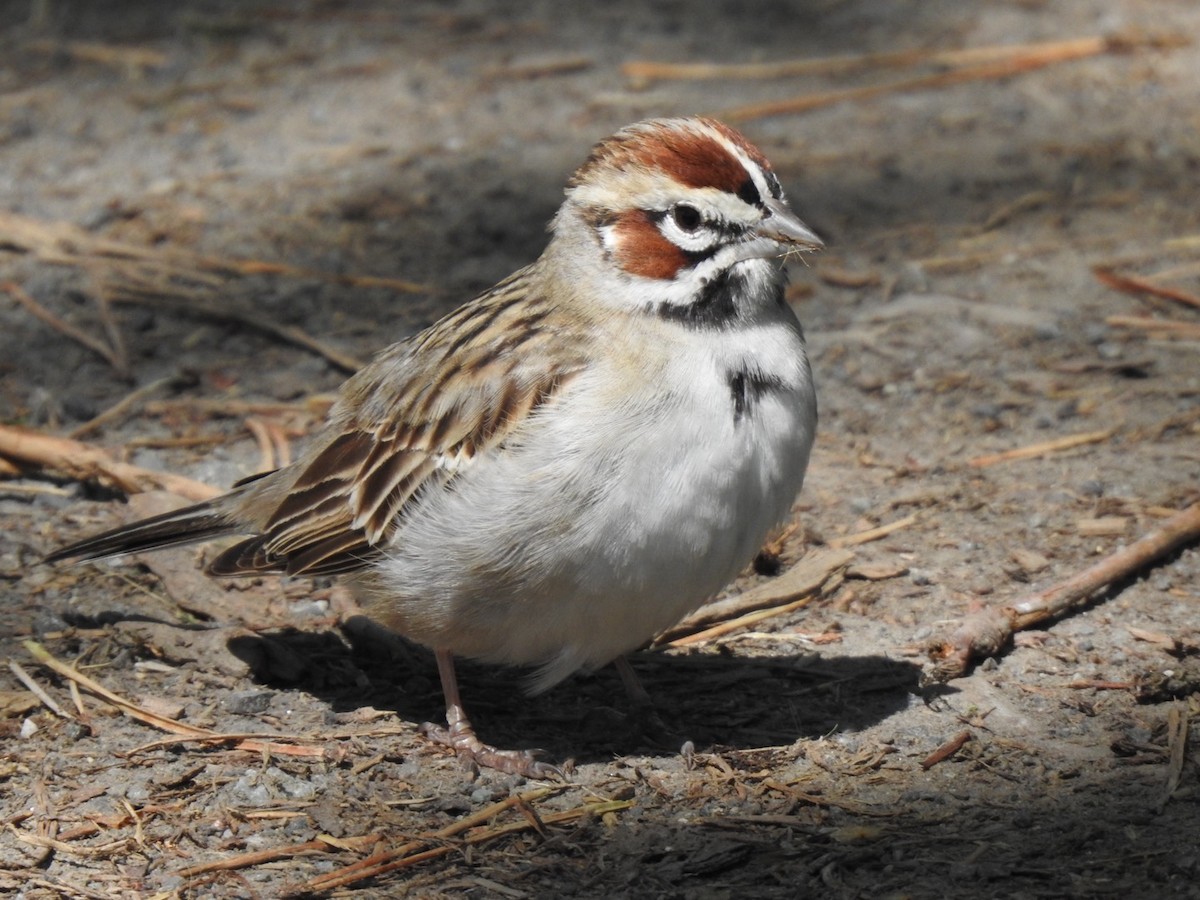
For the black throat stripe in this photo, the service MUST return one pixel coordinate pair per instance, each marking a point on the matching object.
(716, 307)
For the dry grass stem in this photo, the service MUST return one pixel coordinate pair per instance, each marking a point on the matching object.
(38, 691)
(815, 573)
(646, 71)
(1177, 741)
(113, 357)
(1021, 59)
(1161, 328)
(1132, 284)
(163, 278)
(873, 534)
(125, 405)
(253, 743)
(132, 59)
(1042, 448)
(412, 852)
(198, 303)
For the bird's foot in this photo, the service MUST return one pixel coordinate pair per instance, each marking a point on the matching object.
(475, 754)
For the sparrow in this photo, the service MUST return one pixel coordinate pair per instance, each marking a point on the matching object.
(572, 461)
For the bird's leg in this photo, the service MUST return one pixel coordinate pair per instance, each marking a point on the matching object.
(633, 685)
(643, 715)
(460, 735)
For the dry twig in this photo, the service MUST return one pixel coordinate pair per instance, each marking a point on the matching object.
(166, 277)
(38, 691)
(947, 750)
(1020, 59)
(84, 462)
(987, 630)
(845, 64)
(434, 845)
(1132, 284)
(1177, 739)
(815, 573)
(133, 59)
(253, 743)
(1042, 448)
(123, 406)
(873, 534)
(1163, 328)
(113, 357)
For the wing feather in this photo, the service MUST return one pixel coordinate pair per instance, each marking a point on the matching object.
(413, 420)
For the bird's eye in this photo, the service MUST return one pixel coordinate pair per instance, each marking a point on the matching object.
(687, 217)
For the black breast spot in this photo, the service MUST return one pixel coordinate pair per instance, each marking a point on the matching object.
(746, 388)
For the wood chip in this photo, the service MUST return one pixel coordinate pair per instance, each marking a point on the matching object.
(876, 571)
(947, 750)
(1029, 560)
(1103, 526)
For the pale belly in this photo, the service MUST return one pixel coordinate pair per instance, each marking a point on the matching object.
(597, 530)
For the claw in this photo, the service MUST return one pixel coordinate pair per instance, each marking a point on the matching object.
(472, 752)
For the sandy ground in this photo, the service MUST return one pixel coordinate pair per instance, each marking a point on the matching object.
(954, 315)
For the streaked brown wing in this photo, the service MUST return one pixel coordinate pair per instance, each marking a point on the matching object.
(412, 420)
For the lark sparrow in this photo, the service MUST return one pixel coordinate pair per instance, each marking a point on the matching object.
(572, 461)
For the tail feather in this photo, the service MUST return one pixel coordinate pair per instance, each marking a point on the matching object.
(181, 526)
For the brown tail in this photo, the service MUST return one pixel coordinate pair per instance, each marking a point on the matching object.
(183, 526)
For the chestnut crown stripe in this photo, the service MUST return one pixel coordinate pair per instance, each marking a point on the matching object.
(696, 152)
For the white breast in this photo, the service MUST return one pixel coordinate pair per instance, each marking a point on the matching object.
(633, 498)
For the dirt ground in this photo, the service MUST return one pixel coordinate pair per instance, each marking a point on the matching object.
(154, 160)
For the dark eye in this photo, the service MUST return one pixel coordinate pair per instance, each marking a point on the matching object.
(688, 218)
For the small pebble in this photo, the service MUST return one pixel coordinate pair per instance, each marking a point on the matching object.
(247, 703)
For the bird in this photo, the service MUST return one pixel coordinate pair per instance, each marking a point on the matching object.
(569, 463)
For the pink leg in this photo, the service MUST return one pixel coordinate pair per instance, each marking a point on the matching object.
(460, 735)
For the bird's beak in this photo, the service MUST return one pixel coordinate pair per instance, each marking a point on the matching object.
(782, 226)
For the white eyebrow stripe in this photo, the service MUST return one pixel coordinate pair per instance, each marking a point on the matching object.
(752, 168)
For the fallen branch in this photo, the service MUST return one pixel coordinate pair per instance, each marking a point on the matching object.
(1042, 448)
(987, 630)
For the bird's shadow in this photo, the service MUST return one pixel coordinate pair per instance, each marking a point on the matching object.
(710, 699)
